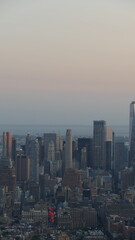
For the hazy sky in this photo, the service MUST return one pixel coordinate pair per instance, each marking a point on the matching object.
(66, 61)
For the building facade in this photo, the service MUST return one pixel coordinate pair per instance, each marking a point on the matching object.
(68, 149)
(132, 134)
(7, 144)
(99, 144)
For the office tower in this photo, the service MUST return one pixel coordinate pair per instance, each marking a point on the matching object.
(109, 155)
(109, 133)
(121, 153)
(51, 137)
(74, 154)
(41, 151)
(52, 159)
(99, 144)
(83, 158)
(74, 148)
(8, 178)
(27, 143)
(14, 150)
(109, 148)
(132, 134)
(33, 155)
(68, 149)
(7, 174)
(22, 168)
(51, 152)
(85, 143)
(7, 144)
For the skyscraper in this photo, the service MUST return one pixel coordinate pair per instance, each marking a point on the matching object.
(22, 168)
(14, 150)
(52, 149)
(99, 144)
(68, 149)
(7, 145)
(132, 134)
(51, 137)
(7, 174)
(120, 156)
(33, 154)
(109, 148)
(85, 143)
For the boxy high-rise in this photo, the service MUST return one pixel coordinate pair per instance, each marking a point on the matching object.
(99, 144)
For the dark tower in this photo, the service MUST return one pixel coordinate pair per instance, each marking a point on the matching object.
(99, 144)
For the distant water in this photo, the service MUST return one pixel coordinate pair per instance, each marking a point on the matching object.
(78, 130)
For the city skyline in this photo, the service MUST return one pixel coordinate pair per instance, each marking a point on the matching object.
(66, 62)
(82, 187)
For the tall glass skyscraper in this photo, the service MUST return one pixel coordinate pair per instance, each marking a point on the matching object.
(99, 144)
(68, 152)
(7, 145)
(132, 134)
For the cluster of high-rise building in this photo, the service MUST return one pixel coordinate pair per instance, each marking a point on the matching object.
(70, 182)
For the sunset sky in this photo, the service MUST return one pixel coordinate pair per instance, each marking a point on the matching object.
(66, 61)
